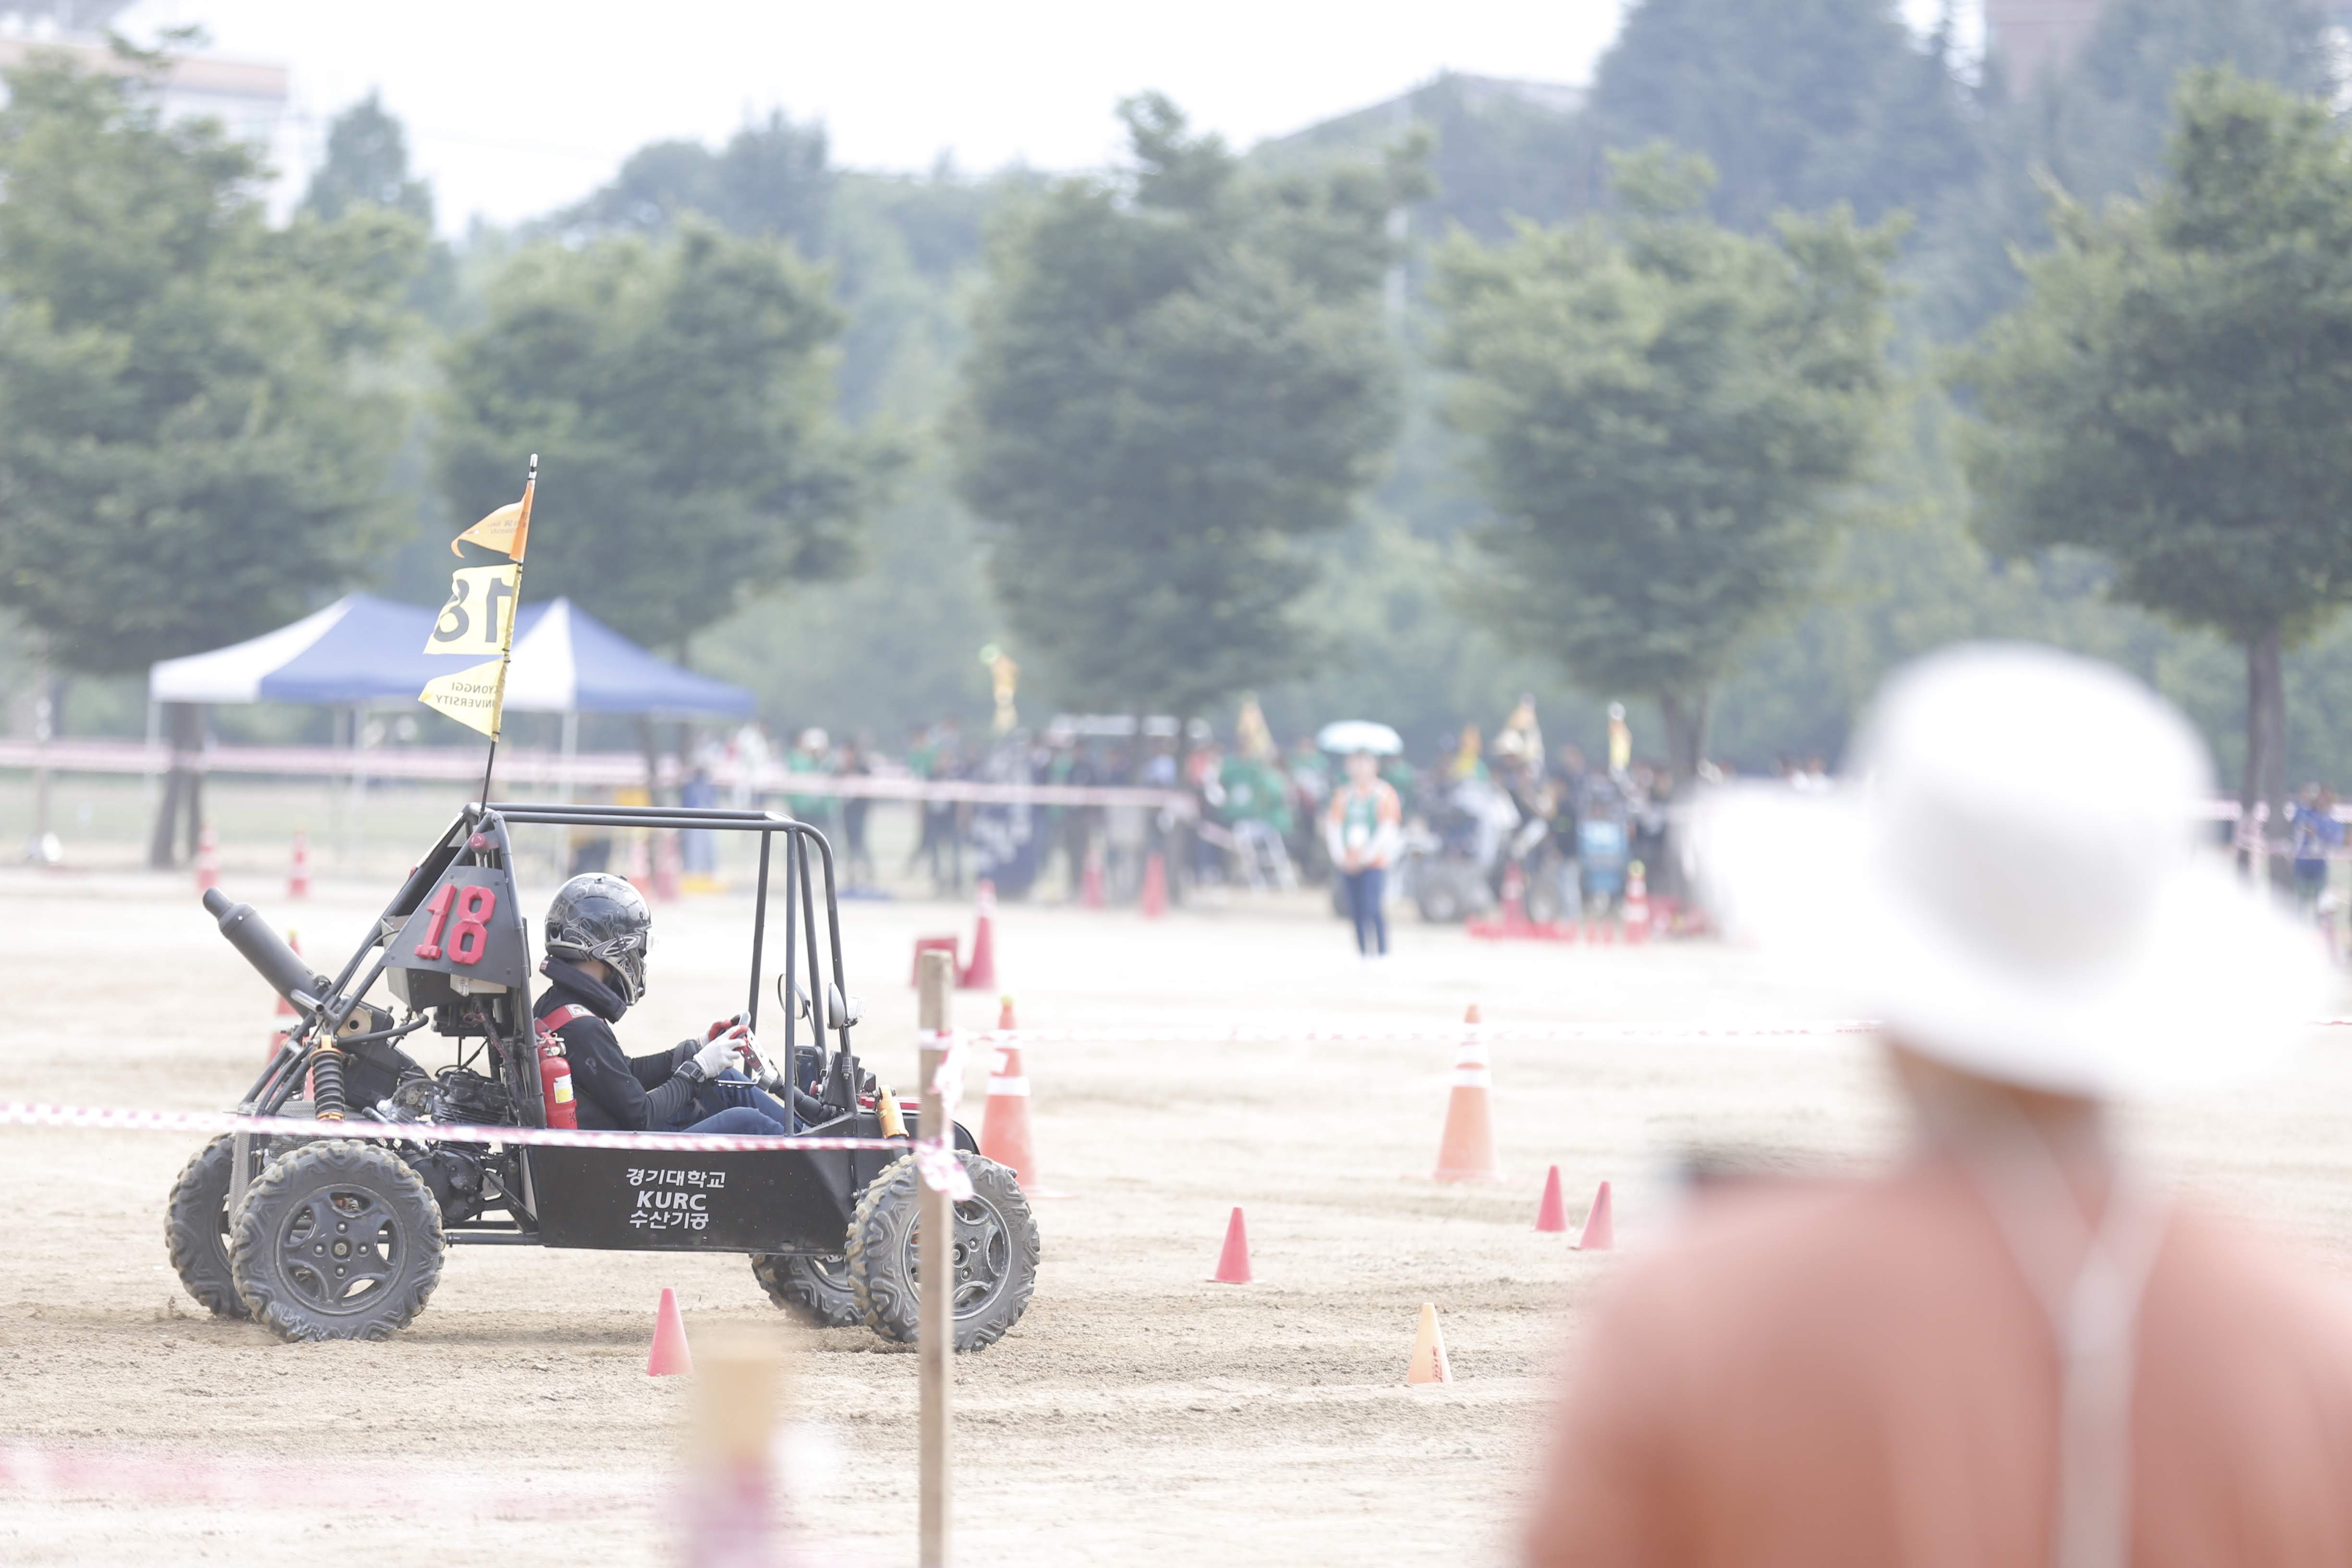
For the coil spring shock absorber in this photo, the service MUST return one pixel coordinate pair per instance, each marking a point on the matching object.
(327, 1083)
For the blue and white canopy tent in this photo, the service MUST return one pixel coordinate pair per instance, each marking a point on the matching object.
(362, 651)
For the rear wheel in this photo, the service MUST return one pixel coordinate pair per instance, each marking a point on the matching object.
(337, 1240)
(995, 1254)
(814, 1290)
(195, 1229)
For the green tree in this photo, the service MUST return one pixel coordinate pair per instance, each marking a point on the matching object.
(1178, 374)
(2174, 390)
(367, 161)
(1797, 103)
(190, 446)
(680, 395)
(772, 180)
(1665, 414)
(2096, 128)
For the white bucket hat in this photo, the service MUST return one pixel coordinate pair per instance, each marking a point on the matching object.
(2011, 879)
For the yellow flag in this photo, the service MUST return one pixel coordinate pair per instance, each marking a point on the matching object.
(507, 529)
(472, 697)
(479, 616)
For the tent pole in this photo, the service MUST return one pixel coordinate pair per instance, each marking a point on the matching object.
(150, 775)
(571, 751)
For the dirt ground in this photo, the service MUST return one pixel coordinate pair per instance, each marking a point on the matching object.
(1137, 1415)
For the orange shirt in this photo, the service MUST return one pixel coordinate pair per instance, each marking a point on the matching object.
(1855, 1375)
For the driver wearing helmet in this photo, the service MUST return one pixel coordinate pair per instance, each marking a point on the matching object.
(597, 930)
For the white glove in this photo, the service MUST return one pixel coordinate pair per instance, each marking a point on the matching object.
(756, 1066)
(717, 1056)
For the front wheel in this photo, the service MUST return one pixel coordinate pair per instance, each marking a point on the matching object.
(195, 1229)
(337, 1240)
(816, 1291)
(995, 1254)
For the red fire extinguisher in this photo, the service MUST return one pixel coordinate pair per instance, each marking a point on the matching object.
(556, 1084)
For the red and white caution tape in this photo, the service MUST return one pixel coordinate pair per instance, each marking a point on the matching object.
(935, 1159)
(43, 1471)
(1444, 1033)
(1539, 1034)
(118, 1119)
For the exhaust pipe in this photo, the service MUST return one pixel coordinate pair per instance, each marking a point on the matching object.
(266, 952)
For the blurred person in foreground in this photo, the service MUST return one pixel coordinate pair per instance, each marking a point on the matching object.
(1363, 827)
(2011, 1349)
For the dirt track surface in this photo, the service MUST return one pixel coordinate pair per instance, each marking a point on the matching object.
(1137, 1415)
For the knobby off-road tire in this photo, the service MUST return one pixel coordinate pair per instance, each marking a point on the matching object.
(338, 1240)
(996, 1252)
(814, 1290)
(195, 1229)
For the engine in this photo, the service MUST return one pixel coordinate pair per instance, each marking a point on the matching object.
(463, 1176)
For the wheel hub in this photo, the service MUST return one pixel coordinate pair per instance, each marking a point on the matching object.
(340, 1247)
(981, 1253)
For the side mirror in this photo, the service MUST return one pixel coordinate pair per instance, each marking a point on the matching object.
(840, 1012)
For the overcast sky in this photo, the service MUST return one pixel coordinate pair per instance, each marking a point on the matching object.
(517, 106)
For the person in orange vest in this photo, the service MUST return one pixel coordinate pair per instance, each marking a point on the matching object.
(2012, 1346)
(1363, 827)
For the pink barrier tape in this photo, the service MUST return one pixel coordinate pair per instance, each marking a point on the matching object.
(118, 1119)
(1560, 1033)
(934, 1160)
(59, 1471)
(1448, 1034)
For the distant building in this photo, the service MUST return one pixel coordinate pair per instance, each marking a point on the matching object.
(249, 98)
(2032, 39)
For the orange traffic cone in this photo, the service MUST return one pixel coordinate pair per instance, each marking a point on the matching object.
(669, 1356)
(1553, 1212)
(1466, 1151)
(1599, 1233)
(1232, 1264)
(1155, 885)
(1637, 904)
(297, 881)
(1428, 1363)
(207, 860)
(1004, 1135)
(979, 975)
(640, 874)
(1090, 881)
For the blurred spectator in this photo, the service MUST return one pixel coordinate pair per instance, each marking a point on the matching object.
(855, 762)
(2013, 1348)
(1363, 828)
(1464, 763)
(810, 753)
(699, 847)
(2311, 820)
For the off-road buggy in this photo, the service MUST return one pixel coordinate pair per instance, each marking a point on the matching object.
(332, 1237)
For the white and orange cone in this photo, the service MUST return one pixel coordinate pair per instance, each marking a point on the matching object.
(298, 881)
(979, 975)
(1004, 1134)
(207, 860)
(1600, 1227)
(1465, 1150)
(669, 1356)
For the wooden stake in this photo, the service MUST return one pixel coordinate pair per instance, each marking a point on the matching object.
(934, 1260)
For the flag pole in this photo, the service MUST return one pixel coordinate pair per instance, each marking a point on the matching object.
(505, 654)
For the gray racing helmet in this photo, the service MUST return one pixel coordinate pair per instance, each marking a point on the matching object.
(600, 916)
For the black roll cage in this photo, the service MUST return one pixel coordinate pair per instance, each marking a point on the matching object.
(481, 830)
